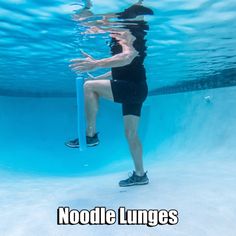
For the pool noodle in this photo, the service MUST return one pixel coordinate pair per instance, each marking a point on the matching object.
(81, 113)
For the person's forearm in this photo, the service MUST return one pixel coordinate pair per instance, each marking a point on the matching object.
(121, 59)
(104, 76)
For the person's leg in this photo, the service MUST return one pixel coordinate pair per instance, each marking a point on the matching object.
(135, 146)
(93, 89)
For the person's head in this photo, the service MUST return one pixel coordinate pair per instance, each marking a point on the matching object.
(134, 11)
(88, 4)
(139, 2)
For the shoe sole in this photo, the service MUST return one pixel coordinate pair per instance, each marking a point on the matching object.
(77, 146)
(93, 144)
(128, 185)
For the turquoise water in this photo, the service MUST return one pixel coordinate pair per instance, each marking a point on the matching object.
(187, 127)
(186, 41)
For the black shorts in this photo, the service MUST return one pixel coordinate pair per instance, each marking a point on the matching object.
(130, 94)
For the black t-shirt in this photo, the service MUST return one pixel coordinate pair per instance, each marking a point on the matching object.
(135, 71)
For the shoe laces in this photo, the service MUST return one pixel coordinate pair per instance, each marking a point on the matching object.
(131, 174)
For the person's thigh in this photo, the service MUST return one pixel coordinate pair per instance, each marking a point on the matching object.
(101, 87)
(131, 123)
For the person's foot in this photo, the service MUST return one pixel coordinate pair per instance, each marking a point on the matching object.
(91, 142)
(134, 180)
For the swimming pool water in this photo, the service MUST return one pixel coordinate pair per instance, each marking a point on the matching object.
(187, 128)
(186, 40)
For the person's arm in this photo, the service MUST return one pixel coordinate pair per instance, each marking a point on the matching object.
(90, 64)
(122, 59)
(100, 77)
(118, 60)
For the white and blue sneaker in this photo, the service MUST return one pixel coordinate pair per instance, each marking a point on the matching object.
(91, 142)
(134, 180)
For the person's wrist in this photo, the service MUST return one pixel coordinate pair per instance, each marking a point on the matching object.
(99, 63)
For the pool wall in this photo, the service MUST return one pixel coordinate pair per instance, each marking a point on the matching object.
(33, 132)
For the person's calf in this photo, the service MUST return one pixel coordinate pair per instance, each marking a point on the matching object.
(91, 108)
(136, 151)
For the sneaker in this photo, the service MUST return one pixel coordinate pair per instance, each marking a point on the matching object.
(134, 180)
(91, 142)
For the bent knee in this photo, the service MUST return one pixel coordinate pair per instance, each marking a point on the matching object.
(88, 85)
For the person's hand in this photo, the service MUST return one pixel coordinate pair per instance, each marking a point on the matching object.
(83, 65)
